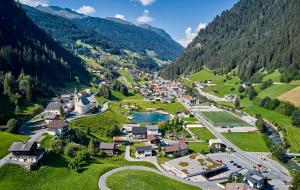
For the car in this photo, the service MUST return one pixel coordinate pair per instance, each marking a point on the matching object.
(231, 161)
(238, 166)
(235, 164)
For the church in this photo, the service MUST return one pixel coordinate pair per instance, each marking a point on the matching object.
(84, 102)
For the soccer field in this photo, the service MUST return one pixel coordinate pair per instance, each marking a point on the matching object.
(222, 119)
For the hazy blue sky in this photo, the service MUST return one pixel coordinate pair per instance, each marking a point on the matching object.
(180, 18)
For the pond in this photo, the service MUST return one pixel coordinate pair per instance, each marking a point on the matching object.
(149, 117)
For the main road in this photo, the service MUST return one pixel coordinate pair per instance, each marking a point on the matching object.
(273, 170)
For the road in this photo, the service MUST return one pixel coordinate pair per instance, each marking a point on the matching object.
(274, 169)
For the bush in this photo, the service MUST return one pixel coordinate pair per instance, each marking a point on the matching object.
(71, 149)
(288, 108)
(296, 118)
(57, 146)
(12, 126)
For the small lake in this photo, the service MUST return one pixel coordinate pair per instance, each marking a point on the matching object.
(149, 117)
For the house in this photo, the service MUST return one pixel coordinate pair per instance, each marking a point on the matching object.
(50, 117)
(127, 128)
(183, 114)
(120, 140)
(187, 98)
(154, 139)
(26, 153)
(57, 127)
(143, 151)
(153, 130)
(108, 148)
(139, 133)
(231, 97)
(84, 103)
(178, 149)
(238, 186)
(54, 108)
(247, 84)
(255, 179)
(65, 98)
(216, 144)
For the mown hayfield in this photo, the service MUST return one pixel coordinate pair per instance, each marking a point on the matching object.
(6, 139)
(209, 75)
(222, 90)
(292, 96)
(201, 147)
(202, 133)
(277, 90)
(249, 141)
(223, 118)
(143, 180)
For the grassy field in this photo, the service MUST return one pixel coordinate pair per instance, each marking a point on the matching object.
(171, 108)
(143, 180)
(202, 133)
(208, 75)
(223, 118)
(127, 75)
(275, 76)
(190, 119)
(276, 90)
(6, 139)
(201, 147)
(117, 96)
(222, 90)
(249, 141)
(292, 96)
(56, 175)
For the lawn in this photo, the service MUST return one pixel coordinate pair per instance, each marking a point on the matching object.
(170, 107)
(276, 90)
(222, 90)
(190, 119)
(275, 76)
(143, 180)
(249, 141)
(117, 96)
(46, 140)
(200, 147)
(127, 75)
(223, 118)
(6, 139)
(202, 133)
(55, 174)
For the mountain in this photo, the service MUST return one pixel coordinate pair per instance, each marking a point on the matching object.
(254, 35)
(67, 13)
(118, 20)
(25, 47)
(158, 31)
(67, 33)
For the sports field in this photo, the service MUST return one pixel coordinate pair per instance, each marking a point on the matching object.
(222, 119)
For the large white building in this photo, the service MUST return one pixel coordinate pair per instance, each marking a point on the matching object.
(84, 103)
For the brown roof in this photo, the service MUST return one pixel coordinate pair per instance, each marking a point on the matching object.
(107, 146)
(120, 139)
(238, 186)
(56, 124)
(153, 137)
(176, 147)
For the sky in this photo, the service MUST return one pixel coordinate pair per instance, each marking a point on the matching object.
(182, 19)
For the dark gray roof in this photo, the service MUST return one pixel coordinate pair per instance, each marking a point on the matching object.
(21, 146)
(107, 146)
(152, 127)
(254, 176)
(53, 106)
(139, 130)
(85, 100)
(143, 148)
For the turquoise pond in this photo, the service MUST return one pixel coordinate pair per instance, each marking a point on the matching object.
(149, 117)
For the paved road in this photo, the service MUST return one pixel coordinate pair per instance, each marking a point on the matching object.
(274, 169)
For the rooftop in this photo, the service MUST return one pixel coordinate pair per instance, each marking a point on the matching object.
(107, 146)
(53, 106)
(139, 130)
(56, 124)
(22, 146)
(143, 148)
(238, 186)
(176, 147)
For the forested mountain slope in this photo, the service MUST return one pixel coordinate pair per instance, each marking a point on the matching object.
(252, 36)
(24, 46)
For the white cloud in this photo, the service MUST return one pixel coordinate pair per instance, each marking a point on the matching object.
(35, 3)
(145, 18)
(147, 2)
(190, 34)
(120, 16)
(86, 10)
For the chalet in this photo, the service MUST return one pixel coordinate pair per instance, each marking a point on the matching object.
(178, 149)
(247, 84)
(51, 117)
(154, 139)
(153, 130)
(139, 133)
(120, 140)
(26, 153)
(57, 127)
(127, 128)
(238, 186)
(108, 148)
(216, 144)
(54, 108)
(143, 151)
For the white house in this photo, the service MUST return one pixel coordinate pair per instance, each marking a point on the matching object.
(57, 127)
(143, 151)
(216, 144)
(152, 130)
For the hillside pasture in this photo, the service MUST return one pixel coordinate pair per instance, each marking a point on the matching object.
(292, 96)
(6, 139)
(277, 90)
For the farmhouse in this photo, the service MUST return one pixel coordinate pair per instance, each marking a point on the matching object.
(108, 148)
(153, 130)
(54, 108)
(120, 140)
(143, 151)
(57, 127)
(177, 149)
(26, 153)
(193, 165)
(139, 133)
(127, 128)
(51, 117)
(154, 139)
